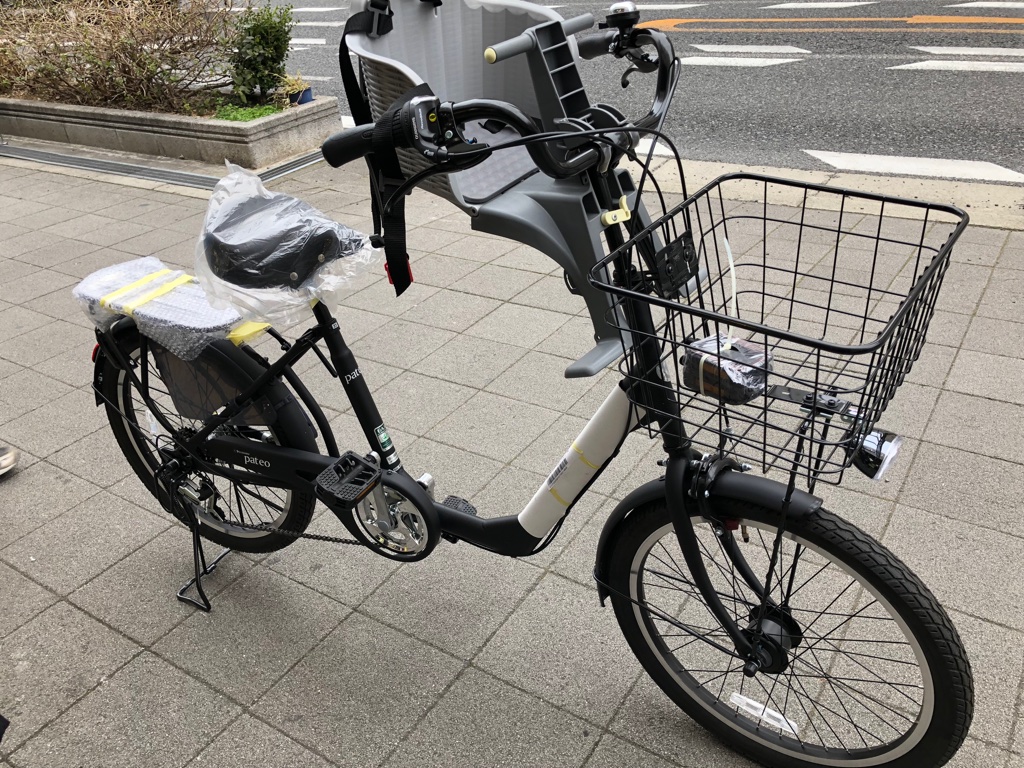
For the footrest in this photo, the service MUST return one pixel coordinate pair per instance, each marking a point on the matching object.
(459, 505)
(347, 482)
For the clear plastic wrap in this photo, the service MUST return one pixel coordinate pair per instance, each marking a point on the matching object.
(733, 371)
(167, 304)
(268, 255)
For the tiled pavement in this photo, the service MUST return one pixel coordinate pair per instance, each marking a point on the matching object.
(318, 656)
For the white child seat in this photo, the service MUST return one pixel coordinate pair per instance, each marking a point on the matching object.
(443, 46)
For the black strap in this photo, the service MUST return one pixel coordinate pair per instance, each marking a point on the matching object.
(375, 21)
(385, 170)
(387, 135)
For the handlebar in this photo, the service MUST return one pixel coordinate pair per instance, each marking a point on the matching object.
(433, 130)
(420, 134)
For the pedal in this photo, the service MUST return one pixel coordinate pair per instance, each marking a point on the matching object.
(347, 482)
(459, 505)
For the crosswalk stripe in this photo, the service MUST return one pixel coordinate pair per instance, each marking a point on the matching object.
(317, 78)
(309, 41)
(975, 170)
(987, 5)
(965, 66)
(731, 61)
(748, 48)
(946, 51)
(819, 5)
(316, 10)
(319, 23)
(667, 6)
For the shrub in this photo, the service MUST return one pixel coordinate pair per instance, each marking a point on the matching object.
(244, 114)
(162, 55)
(261, 47)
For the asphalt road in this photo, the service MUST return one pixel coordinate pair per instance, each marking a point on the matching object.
(839, 95)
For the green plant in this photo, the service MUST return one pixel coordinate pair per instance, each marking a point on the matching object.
(290, 84)
(244, 114)
(261, 47)
(162, 55)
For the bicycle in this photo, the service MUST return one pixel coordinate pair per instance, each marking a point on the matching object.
(778, 626)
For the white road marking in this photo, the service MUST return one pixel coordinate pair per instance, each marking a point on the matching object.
(309, 41)
(347, 121)
(316, 10)
(918, 166)
(819, 5)
(319, 23)
(317, 78)
(944, 51)
(729, 61)
(965, 66)
(667, 6)
(644, 146)
(748, 48)
(290, 48)
(987, 5)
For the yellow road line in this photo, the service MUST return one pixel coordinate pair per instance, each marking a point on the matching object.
(671, 25)
(904, 30)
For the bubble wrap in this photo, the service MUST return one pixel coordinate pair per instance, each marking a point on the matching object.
(181, 320)
(273, 229)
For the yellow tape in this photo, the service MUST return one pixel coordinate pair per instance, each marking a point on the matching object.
(560, 500)
(246, 331)
(131, 306)
(582, 457)
(125, 289)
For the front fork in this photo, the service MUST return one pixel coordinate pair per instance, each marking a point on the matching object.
(689, 483)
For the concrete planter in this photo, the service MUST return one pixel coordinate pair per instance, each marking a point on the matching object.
(253, 144)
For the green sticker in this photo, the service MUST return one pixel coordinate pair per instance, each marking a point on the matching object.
(383, 437)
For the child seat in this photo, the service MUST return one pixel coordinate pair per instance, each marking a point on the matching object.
(443, 46)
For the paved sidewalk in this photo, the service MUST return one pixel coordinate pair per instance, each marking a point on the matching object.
(318, 656)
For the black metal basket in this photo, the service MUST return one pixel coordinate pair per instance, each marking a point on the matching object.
(834, 292)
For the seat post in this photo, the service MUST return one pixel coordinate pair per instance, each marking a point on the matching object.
(363, 404)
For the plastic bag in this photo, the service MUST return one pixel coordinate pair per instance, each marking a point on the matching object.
(168, 305)
(733, 371)
(268, 255)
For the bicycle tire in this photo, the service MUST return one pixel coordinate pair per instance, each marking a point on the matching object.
(290, 429)
(947, 697)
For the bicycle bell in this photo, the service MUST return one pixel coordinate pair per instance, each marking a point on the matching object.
(623, 16)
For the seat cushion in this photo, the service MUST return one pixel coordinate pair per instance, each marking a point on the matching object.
(256, 244)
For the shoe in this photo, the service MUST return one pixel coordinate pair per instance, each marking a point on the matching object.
(8, 459)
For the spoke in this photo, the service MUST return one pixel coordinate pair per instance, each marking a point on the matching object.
(855, 692)
(841, 702)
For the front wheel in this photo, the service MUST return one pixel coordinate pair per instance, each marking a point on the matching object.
(867, 669)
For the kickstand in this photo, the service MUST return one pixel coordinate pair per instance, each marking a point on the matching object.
(202, 569)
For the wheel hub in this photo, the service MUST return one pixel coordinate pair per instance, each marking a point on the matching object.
(772, 639)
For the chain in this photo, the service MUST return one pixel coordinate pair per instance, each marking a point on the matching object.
(295, 534)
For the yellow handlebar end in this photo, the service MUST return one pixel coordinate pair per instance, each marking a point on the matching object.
(490, 56)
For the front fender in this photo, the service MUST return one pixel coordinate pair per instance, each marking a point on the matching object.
(730, 484)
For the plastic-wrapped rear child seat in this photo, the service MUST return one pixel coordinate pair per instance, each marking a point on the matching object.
(444, 47)
(168, 305)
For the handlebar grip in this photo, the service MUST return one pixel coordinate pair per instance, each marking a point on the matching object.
(348, 145)
(596, 45)
(509, 48)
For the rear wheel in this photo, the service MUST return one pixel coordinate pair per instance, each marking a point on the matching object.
(866, 670)
(138, 434)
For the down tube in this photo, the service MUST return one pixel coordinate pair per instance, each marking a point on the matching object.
(587, 455)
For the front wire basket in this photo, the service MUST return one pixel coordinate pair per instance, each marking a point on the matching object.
(834, 290)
